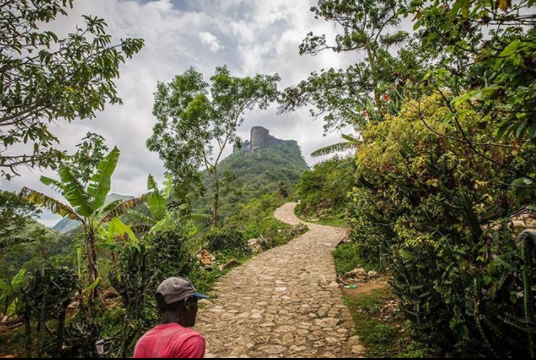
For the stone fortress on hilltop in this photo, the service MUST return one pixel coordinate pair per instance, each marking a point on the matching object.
(261, 139)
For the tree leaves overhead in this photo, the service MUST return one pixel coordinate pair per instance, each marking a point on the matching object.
(353, 96)
(44, 78)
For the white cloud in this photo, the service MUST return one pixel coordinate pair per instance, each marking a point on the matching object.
(249, 36)
(211, 41)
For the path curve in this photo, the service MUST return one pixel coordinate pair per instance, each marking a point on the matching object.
(283, 303)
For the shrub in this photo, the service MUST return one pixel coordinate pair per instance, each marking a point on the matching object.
(331, 177)
(225, 240)
(438, 217)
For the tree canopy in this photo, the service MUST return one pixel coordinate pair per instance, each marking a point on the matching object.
(45, 78)
(197, 121)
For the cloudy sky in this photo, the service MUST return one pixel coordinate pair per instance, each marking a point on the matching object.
(250, 36)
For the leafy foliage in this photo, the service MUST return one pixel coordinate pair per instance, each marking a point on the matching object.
(45, 78)
(46, 297)
(439, 219)
(483, 55)
(87, 206)
(357, 94)
(226, 239)
(197, 121)
(331, 177)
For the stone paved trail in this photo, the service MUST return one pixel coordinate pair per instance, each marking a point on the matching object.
(283, 303)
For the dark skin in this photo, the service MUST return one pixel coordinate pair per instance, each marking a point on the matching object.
(184, 314)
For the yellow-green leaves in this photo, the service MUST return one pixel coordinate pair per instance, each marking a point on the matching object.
(504, 5)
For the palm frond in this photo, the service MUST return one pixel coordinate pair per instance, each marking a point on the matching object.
(101, 182)
(9, 242)
(75, 193)
(140, 229)
(332, 149)
(51, 204)
(351, 143)
(55, 184)
(141, 218)
(123, 209)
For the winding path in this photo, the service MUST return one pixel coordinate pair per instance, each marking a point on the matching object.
(283, 303)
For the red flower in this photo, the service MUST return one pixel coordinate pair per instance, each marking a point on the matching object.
(385, 97)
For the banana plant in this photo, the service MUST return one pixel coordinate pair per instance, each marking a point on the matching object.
(160, 215)
(116, 232)
(87, 205)
(9, 293)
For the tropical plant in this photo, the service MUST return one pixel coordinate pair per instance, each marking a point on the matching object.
(45, 78)
(10, 293)
(87, 205)
(197, 121)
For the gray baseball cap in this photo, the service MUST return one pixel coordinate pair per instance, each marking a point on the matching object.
(178, 289)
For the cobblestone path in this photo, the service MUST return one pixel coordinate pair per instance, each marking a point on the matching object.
(283, 303)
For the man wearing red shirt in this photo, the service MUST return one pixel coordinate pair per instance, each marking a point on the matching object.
(177, 303)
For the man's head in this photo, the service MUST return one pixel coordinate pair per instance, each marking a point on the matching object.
(177, 302)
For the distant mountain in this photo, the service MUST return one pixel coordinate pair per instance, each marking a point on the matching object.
(258, 173)
(68, 225)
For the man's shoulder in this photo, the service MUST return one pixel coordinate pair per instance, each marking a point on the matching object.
(184, 334)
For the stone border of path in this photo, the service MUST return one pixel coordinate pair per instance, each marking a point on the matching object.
(284, 303)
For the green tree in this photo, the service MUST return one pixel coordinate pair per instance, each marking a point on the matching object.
(14, 211)
(91, 151)
(355, 95)
(44, 78)
(87, 205)
(197, 121)
(483, 56)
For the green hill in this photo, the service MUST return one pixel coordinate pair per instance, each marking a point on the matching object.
(261, 173)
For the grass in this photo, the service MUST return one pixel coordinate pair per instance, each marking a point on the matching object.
(347, 259)
(380, 325)
(383, 335)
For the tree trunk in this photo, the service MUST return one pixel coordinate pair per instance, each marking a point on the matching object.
(377, 95)
(216, 203)
(93, 270)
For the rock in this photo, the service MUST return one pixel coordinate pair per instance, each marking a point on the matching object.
(358, 274)
(254, 245)
(231, 264)
(286, 329)
(373, 275)
(206, 260)
(327, 323)
(274, 350)
(358, 350)
(334, 285)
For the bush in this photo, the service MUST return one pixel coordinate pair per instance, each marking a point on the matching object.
(438, 217)
(333, 177)
(139, 271)
(225, 240)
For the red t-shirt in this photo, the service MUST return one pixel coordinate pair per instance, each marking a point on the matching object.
(170, 341)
